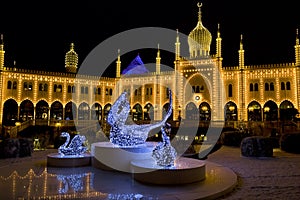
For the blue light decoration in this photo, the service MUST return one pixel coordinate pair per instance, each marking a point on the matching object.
(74, 147)
(125, 196)
(128, 135)
(135, 67)
(72, 181)
(164, 154)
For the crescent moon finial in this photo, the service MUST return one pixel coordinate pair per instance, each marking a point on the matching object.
(199, 5)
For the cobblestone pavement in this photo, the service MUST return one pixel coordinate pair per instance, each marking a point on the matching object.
(276, 177)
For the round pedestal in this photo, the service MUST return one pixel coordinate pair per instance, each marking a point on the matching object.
(108, 156)
(185, 170)
(56, 160)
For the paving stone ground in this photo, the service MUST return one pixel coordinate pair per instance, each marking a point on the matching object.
(276, 177)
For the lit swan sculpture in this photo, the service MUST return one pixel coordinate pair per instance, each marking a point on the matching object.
(73, 148)
(126, 135)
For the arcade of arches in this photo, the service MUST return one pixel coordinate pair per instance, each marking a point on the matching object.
(268, 112)
(57, 111)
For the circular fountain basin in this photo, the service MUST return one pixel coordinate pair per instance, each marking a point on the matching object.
(108, 156)
(58, 160)
(185, 170)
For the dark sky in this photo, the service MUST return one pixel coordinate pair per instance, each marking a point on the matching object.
(37, 34)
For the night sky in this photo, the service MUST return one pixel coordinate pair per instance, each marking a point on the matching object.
(37, 34)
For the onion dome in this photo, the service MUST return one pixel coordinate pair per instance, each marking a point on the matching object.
(199, 39)
(71, 60)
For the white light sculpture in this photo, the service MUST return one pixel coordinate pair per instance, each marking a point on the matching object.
(74, 147)
(126, 135)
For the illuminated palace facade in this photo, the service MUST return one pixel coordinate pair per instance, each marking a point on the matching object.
(203, 88)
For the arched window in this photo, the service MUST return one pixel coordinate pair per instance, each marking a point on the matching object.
(267, 87)
(14, 85)
(256, 87)
(288, 85)
(45, 87)
(69, 89)
(251, 87)
(25, 86)
(201, 88)
(82, 90)
(99, 91)
(198, 89)
(282, 86)
(230, 90)
(59, 88)
(41, 88)
(86, 90)
(271, 86)
(9, 84)
(110, 92)
(73, 89)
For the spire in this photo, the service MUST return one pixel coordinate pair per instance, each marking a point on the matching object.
(1, 43)
(219, 43)
(241, 54)
(15, 65)
(158, 60)
(118, 62)
(241, 42)
(297, 50)
(199, 12)
(72, 46)
(2, 52)
(297, 37)
(177, 46)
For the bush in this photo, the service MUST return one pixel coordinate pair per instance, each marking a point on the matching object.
(289, 142)
(233, 138)
(257, 146)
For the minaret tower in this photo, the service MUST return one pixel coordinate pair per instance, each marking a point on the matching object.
(297, 63)
(158, 61)
(71, 60)
(241, 54)
(297, 50)
(1, 77)
(241, 91)
(118, 67)
(177, 47)
(1, 53)
(178, 83)
(219, 48)
(219, 43)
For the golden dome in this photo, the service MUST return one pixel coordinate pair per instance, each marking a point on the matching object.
(71, 60)
(199, 39)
